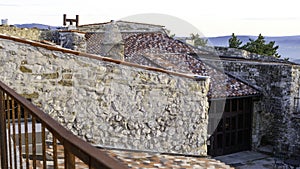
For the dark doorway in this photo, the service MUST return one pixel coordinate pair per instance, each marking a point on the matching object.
(233, 133)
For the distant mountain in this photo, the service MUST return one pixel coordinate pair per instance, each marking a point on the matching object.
(289, 46)
(36, 25)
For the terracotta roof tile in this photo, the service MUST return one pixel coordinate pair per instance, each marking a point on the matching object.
(156, 160)
(159, 50)
(138, 159)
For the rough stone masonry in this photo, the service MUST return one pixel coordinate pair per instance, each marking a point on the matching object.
(276, 116)
(110, 104)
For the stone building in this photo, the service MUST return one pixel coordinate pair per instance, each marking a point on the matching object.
(276, 113)
(256, 96)
(254, 100)
(132, 113)
(107, 102)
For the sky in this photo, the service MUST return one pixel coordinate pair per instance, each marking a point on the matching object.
(210, 17)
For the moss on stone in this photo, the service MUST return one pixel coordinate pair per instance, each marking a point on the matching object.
(53, 82)
(66, 82)
(33, 95)
(25, 69)
(67, 76)
(50, 75)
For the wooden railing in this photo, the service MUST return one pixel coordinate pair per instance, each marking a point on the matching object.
(29, 138)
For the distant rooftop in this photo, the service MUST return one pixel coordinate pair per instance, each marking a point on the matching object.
(159, 50)
(123, 26)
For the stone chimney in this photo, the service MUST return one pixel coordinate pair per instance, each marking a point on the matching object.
(112, 45)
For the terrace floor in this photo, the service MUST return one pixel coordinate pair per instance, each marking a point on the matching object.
(248, 160)
(137, 159)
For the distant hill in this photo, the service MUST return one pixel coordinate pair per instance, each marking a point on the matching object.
(289, 46)
(36, 25)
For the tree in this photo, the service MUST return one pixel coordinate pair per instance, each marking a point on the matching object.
(234, 42)
(198, 41)
(260, 47)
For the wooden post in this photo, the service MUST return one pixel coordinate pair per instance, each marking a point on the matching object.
(65, 20)
(69, 160)
(3, 143)
(77, 20)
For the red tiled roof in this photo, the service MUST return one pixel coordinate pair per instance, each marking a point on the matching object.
(159, 50)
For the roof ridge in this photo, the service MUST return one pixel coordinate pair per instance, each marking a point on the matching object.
(103, 23)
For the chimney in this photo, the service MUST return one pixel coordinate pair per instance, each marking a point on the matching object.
(112, 45)
(65, 20)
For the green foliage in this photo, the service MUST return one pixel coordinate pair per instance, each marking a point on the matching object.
(169, 33)
(172, 35)
(258, 46)
(234, 42)
(198, 41)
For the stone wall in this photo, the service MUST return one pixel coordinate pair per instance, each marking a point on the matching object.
(32, 34)
(274, 118)
(239, 53)
(37, 34)
(110, 104)
(71, 40)
(294, 123)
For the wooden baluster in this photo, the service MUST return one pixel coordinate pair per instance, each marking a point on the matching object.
(55, 152)
(14, 132)
(69, 160)
(8, 111)
(44, 146)
(20, 136)
(26, 138)
(33, 143)
(4, 162)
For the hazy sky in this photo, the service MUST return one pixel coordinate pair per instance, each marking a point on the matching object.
(210, 17)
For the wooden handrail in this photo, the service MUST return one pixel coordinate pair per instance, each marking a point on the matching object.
(73, 146)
